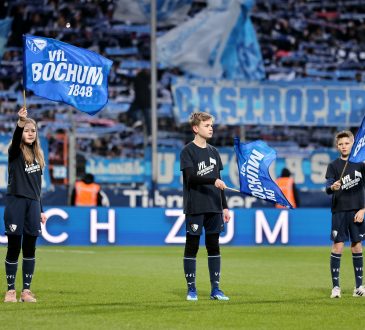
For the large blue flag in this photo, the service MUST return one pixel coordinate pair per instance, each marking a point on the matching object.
(357, 154)
(254, 160)
(5, 25)
(65, 73)
(219, 42)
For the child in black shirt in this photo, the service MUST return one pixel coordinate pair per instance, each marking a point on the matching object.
(205, 203)
(347, 212)
(23, 209)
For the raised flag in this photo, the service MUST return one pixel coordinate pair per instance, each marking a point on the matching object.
(219, 42)
(62, 72)
(357, 154)
(5, 25)
(254, 160)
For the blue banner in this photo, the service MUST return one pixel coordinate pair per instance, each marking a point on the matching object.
(65, 73)
(357, 154)
(85, 226)
(254, 160)
(295, 103)
(116, 170)
(5, 25)
(4, 145)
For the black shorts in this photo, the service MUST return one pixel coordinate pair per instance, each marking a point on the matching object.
(212, 222)
(22, 216)
(344, 227)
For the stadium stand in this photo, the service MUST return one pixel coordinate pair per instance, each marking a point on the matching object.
(309, 40)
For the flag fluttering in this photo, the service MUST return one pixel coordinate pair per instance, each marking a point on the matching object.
(357, 154)
(65, 73)
(254, 160)
(5, 26)
(203, 48)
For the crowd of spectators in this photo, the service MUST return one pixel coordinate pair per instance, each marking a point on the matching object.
(313, 39)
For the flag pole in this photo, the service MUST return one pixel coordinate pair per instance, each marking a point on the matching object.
(343, 171)
(232, 189)
(24, 99)
(153, 105)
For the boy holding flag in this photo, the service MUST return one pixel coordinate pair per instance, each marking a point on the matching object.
(345, 181)
(205, 204)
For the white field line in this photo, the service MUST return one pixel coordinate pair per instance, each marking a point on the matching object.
(66, 251)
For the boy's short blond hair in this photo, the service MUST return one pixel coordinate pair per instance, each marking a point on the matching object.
(344, 134)
(197, 117)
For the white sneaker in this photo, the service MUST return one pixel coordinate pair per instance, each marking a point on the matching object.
(336, 292)
(359, 292)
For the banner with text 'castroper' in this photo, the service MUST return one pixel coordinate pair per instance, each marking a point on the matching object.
(65, 73)
(254, 160)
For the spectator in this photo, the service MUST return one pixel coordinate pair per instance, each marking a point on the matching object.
(287, 186)
(86, 192)
(142, 99)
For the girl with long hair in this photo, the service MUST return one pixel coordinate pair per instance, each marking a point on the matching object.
(23, 208)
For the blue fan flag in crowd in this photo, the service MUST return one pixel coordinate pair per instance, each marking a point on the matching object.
(65, 73)
(229, 48)
(254, 160)
(5, 25)
(357, 154)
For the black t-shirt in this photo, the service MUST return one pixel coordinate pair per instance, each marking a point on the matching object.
(351, 194)
(23, 179)
(205, 162)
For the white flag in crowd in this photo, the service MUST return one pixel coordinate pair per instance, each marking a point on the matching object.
(218, 42)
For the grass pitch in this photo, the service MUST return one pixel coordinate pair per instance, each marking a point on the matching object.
(144, 288)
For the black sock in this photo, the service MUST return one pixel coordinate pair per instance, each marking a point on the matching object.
(214, 265)
(335, 268)
(190, 270)
(357, 261)
(28, 270)
(10, 268)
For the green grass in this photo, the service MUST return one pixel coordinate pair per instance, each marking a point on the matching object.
(144, 288)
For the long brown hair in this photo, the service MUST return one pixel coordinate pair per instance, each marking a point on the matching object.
(37, 151)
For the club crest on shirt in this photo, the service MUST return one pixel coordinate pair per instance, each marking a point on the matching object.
(12, 227)
(348, 182)
(32, 168)
(194, 227)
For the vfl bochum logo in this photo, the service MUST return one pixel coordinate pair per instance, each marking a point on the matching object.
(12, 227)
(194, 227)
(36, 45)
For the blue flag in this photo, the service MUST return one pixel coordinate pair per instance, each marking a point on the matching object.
(254, 160)
(65, 73)
(5, 25)
(218, 42)
(357, 154)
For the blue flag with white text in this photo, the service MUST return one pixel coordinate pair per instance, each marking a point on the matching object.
(254, 160)
(357, 154)
(61, 72)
